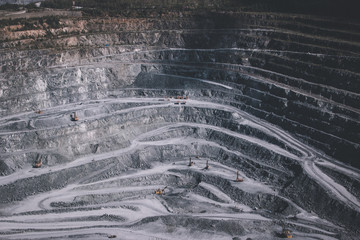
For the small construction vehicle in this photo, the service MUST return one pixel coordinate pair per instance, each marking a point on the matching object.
(160, 191)
(207, 165)
(238, 179)
(38, 111)
(286, 233)
(38, 163)
(198, 157)
(191, 163)
(74, 117)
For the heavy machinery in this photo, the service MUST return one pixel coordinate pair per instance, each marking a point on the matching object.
(160, 191)
(74, 117)
(191, 163)
(39, 111)
(286, 233)
(207, 164)
(238, 179)
(182, 97)
(38, 163)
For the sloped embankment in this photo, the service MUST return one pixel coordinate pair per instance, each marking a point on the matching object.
(260, 93)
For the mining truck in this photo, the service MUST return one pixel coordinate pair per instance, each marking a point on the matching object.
(238, 179)
(160, 191)
(286, 233)
(38, 164)
(74, 117)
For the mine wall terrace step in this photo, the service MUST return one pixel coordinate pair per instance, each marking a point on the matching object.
(324, 121)
(122, 43)
(279, 44)
(340, 130)
(315, 72)
(282, 118)
(337, 125)
(351, 184)
(261, 102)
(236, 67)
(289, 40)
(313, 40)
(273, 84)
(227, 55)
(346, 63)
(242, 40)
(257, 103)
(315, 21)
(318, 197)
(237, 56)
(310, 64)
(334, 34)
(337, 81)
(345, 151)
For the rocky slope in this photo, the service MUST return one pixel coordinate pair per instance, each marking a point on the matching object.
(23, 2)
(275, 96)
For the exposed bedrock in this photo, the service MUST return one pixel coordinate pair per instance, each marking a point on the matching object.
(313, 94)
(272, 97)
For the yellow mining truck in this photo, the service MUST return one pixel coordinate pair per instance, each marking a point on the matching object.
(160, 191)
(286, 233)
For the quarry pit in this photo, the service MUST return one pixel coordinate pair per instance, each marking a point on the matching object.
(112, 109)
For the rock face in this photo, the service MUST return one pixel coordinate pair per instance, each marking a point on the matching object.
(23, 2)
(274, 96)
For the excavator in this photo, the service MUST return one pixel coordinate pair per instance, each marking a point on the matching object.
(286, 233)
(74, 117)
(207, 165)
(38, 164)
(160, 191)
(191, 163)
(238, 179)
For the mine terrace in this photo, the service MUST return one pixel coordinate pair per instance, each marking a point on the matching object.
(201, 119)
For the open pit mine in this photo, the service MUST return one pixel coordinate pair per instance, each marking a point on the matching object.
(216, 124)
